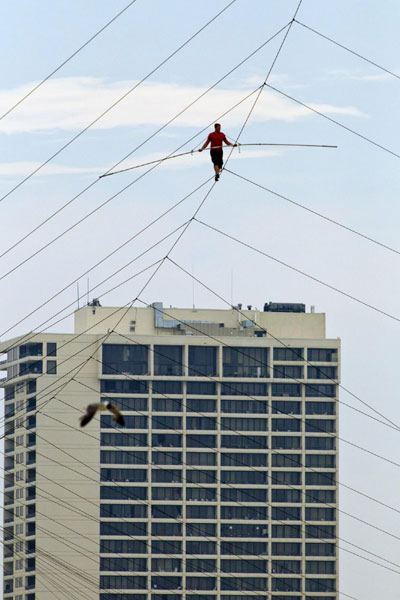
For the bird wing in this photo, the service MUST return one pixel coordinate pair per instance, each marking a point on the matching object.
(88, 416)
(116, 414)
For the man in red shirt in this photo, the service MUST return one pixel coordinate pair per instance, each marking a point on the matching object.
(216, 139)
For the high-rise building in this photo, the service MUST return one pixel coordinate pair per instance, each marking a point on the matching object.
(220, 486)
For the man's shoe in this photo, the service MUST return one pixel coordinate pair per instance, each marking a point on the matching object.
(217, 177)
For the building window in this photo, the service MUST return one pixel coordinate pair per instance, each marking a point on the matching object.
(111, 492)
(120, 457)
(288, 372)
(201, 388)
(166, 493)
(244, 530)
(124, 439)
(201, 494)
(122, 582)
(166, 547)
(201, 547)
(245, 362)
(201, 423)
(286, 460)
(246, 459)
(171, 440)
(123, 386)
(232, 388)
(286, 443)
(322, 355)
(244, 441)
(239, 495)
(51, 349)
(128, 404)
(286, 389)
(322, 390)
(168, 360)
(288, 354)
(251, 513)
(118, 528)
(201, 405)
(166, 565)
(125, 358)
(201, 441)
(320, 408)
(131, 422)
(167, 405)
(123, 511)
(202, 361)
(123, 547)
(167, 387)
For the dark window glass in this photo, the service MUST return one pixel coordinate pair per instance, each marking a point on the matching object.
(247, 459)
(320, 514)
(233, 388)
(166, 511)
(128, 404)
(31, 367)
(201, 583)
(166, 475)
(31, 404)
(244, 548)
(287, 513)
(286, 424)
(320, 585)
(123, 475)
(30, 350)
(117, 528)
(324, 425)
(244, 406)
(31, 386)
(288, 372)
(243, 530)
(286, 549)
(244, 424)
(168, 529)
(321, 496)
(322, 372)
(125, 358)
(248, 596)
(320, 390)
(285, 478)
(201, 565)
(285, 495)
(164, 597)
(200, 529)
(321, 461)
(166, 547)
(166, 493)
(320, 443)
(124, 439)
(286, 389)
(201, 441)
(31, 493)
(30, 475)
(320, 532)
(166, 440)
(123, 511)
(254, 513)
(286, 407)
(164, 582)
(51, 349)
(127, 492)
(107, 421)
(124, 596)
(167, 405)
(203, 361)
(167, 387)
(244, 583)
(288, 353)
(31, 441)
(164, 422)
(166, 565)
(320, 549)
(292, 584)
(123, 564)
(286, 443)
(197, 547)
(122, 582)
(245, 362)
(201, 494)
(203, 476)
(244, 441)
(201, 512)
(286, 531)
(121, 457)
(168, 360)
(325, 478)
(201, 458)
(201, 388)
(201, 405)
(166, 458)
(31, 422)
(320, 408)
(51, 367)
(322, 354)
(198, 423)
(123, 386)
(242, 495)
(244, 477)
(286, 460)
(286, 566)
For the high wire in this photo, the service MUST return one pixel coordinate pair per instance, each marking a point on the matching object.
(134, 87)
(60, 66)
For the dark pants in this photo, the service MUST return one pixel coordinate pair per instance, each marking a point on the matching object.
(216, 157)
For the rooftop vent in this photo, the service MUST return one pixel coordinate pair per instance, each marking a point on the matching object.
(287, 307)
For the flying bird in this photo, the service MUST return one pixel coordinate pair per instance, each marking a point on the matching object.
(92, 409)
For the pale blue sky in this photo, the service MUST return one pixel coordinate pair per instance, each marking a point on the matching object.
(357, 184)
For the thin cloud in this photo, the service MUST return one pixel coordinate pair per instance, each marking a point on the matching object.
(344, 75)
(72, 103)
(12, 169)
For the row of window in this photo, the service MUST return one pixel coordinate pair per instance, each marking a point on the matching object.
(237, 459)
(205, 405)
(174, 511)
(207, 565)
(161, 596)
(248, 530)
(281, 495)
(28, 387)
(208, 388)
(213, 476)
(226, 423)
(242, 442)
(210, 583)
(203, 547)
(202, 360)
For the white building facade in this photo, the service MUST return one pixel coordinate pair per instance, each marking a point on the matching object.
(220, 486)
